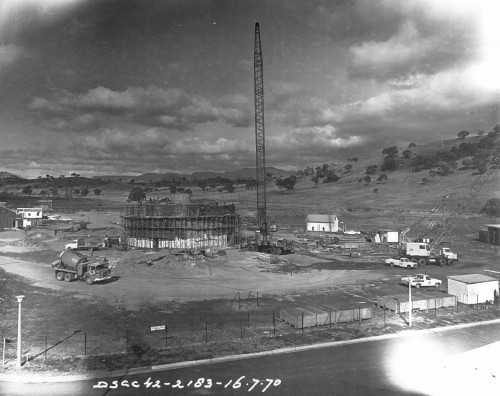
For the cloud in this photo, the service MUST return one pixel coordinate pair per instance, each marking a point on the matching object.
(9, 54)
(153, 106)
(318, 138)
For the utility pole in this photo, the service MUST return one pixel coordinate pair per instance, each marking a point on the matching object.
(259, 134)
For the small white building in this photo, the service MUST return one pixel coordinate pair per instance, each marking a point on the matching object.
(29, 217)
(388, 236)
(473, 288)
(322, 223)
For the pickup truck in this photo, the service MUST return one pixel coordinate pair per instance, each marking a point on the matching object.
(401, 262)
(420, 280)
(80, 244)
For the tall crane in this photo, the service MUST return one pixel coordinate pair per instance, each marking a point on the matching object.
(260, 148)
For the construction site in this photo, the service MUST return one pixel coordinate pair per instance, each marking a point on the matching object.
(180, 225)
(184, 264)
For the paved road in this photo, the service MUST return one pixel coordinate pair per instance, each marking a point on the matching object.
(413, 365)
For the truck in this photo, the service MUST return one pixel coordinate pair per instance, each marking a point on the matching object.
(278, 246)
(420, 280)
(421, 253)
(72, 265)
(80, 244)
(401, 262)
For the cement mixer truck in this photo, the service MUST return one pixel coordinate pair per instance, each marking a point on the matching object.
(73, 265)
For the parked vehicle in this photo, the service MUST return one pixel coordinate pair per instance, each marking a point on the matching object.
(73, 265)
(278, 247)
(352, 232)
(80, 244)
(420, 280)
(420, 253)
(401, 262)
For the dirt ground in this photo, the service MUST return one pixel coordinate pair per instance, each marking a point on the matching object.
(219, 292)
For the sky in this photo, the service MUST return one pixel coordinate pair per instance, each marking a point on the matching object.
(125, 87)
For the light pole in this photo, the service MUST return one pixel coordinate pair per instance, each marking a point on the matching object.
(409, 302)
(19, 300)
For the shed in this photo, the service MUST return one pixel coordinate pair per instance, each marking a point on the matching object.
(7, 217)
(388, 236)
(493, 231)
(473, 288)
(322, 223)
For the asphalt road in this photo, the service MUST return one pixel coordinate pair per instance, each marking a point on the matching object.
(424, 364)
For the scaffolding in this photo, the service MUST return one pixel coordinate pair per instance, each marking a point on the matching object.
(180, 227)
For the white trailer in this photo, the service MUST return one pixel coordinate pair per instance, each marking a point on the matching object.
(473, 288)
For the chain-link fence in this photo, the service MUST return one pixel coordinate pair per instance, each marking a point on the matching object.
(249, 323)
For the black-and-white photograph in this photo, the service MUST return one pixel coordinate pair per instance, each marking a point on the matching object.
(231, 197)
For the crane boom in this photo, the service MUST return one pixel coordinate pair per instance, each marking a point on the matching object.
(259, 134)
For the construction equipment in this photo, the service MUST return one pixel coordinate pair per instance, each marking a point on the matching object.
(73, 265)
(278, 246)
(260, 158)
(262, 241)
(466, 196)
(421, 253)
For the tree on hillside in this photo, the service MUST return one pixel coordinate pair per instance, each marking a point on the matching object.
(406, 154)
(85, 191)
(287, 183)
(229, 187)
(491, 207)
(462, 135)
(315, 180)
(97, 191)
(368, 179)
(371, 169)
(382, 178)
(348, 167)
(390, 164)
(412, 145)
(330, 177)
(76, 191)
(390, 152)
(27, 190)
(137, 194)
(203, 184)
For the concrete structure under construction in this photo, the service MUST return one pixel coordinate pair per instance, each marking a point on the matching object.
(180, 225)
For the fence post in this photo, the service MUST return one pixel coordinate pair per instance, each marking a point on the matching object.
(166, 336)
(257, 298)
(384, 312)
(456, 303)
(206, 332)
(435, 308)
(126, 341)
(239, 301)
(3, 353)
(248, 319)
(85, 344)
(330, 319)
(241, 329)
(302, 322)
(274, 325)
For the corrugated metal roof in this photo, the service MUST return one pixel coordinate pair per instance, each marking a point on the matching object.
(493, 225)
(472, 278)
(321, 218)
